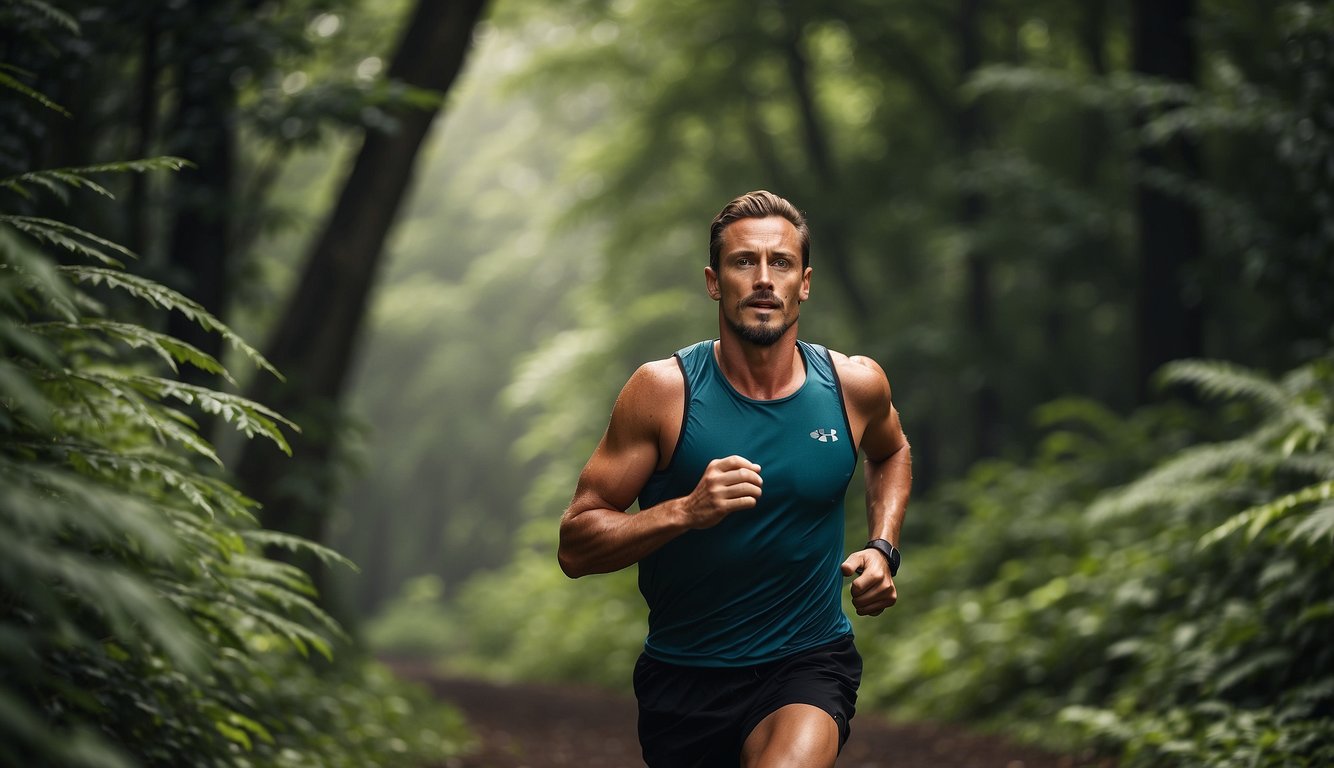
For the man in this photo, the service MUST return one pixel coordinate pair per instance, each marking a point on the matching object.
(739, 451)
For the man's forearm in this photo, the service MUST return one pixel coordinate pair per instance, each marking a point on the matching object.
(606, 540)
(888, 486)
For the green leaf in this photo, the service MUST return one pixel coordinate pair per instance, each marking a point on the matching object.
(61, 18)
(9, 81)
(1257, 518)
(1317, 525)
(60, 180)
(263, 537)
(171, 349)
(69, 237)
(159, 295)
(128, 401)
(246, 415)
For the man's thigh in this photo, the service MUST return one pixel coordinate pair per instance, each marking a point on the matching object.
(795, 736)
(692, 716)
(824, 679)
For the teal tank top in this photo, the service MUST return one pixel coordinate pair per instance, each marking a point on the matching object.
(765, 582)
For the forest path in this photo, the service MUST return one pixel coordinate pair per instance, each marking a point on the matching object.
(542, 725)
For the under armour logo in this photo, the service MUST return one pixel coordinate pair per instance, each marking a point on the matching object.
(826, 435)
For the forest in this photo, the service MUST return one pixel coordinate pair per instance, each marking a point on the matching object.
(312, 310)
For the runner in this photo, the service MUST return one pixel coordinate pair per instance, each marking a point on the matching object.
(739, 451)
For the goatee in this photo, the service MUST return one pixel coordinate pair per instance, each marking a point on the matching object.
(761, 336)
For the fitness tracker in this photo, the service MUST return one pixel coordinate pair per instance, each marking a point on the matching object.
(890, 552)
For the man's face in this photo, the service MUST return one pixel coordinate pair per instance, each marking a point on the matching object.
(760, 282)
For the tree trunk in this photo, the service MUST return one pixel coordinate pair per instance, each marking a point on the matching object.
(314, 341)
(972, 209)
(199, 242)
(829, 224)
(1169, 310)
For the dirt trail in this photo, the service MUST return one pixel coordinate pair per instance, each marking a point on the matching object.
(531, 725)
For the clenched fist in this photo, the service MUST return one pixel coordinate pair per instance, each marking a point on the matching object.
(729, 484)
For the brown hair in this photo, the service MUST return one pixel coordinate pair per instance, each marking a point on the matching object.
(758, 205)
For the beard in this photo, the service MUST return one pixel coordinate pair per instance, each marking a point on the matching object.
(760, 335)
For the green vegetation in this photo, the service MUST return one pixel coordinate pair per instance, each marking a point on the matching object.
(1140, 566)
(1022, 210)
(140, 622)
(1180, 611)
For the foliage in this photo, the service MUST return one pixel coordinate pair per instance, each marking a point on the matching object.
(140, 623)
(1178, 616)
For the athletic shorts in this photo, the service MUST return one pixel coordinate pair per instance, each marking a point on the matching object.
(699, 717)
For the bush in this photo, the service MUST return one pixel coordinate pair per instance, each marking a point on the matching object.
(1174, 617)
(140, 623)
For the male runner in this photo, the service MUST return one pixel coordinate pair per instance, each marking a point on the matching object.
(739, 451)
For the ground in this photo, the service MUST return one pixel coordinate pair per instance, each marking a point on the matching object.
(532, 725)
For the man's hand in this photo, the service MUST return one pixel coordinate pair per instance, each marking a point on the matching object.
(873, 590)
(728, 485)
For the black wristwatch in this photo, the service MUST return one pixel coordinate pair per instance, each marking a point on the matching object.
(890, 552)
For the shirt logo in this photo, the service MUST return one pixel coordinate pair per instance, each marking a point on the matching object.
(825, 435)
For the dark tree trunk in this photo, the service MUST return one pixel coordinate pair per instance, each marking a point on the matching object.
(145, 138)
(199, 241)
(829, 223)
(972, 210)
(1169, 309)
(314, 341)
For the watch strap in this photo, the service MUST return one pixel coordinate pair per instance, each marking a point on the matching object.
(890, 552)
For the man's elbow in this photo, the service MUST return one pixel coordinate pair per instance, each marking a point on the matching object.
(570, 565)
(567, 554)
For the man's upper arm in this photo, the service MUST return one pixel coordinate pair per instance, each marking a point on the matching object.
(869, 393)
(630, 449)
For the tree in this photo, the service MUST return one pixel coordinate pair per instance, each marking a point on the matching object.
(1170, 302)
(315, 339)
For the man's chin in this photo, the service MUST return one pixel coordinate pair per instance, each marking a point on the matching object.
(760, 336)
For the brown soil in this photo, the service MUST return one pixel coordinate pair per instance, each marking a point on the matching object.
(533, 725)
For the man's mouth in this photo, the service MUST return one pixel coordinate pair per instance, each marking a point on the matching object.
(762, 302)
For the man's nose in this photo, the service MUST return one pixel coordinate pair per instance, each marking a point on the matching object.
(763, 277)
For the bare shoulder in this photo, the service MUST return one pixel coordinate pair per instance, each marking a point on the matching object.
(863, 380)
(870, 405)
(652, 382)
(651, 397)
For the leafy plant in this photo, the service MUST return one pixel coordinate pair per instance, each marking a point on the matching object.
(140, 623)
(1180, 614)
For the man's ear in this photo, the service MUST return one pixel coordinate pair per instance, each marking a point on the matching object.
(805, 293)
(711, 282)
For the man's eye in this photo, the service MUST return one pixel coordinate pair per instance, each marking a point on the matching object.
(781, 263)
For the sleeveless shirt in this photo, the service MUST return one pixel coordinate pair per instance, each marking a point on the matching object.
(765, 582)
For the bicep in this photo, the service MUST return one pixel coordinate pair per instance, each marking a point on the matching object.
(628, 452)
(882, 433)
(615, 474)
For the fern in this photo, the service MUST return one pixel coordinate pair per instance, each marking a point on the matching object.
(159, 295)
(167, 348)
(77, 241)
(61, 181)
(1225, 380)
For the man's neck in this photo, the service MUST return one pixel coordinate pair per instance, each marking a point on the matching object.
(761, 372)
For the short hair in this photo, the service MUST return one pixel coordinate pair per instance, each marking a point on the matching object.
(757, 205)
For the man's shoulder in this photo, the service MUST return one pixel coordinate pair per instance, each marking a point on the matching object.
(861, 377)
(656, 379)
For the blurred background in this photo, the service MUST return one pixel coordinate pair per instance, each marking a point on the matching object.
(1089, 242)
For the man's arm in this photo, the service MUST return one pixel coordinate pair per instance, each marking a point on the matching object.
(596, 533)
(888, 472)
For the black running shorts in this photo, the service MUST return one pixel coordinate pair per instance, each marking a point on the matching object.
(699, 717)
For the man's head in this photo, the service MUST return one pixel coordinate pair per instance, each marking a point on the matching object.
(757, 272)
(758, 205)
